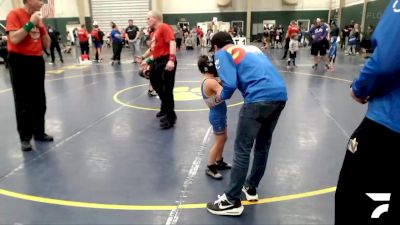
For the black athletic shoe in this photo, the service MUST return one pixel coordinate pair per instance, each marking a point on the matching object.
(26, 146)
(221, 165)
(315, 66)
(160, 114)
(212, 172)
(44, 138)
(166, 124)
(223, 207)
(151, 93)
(251, 193)
(327, 66)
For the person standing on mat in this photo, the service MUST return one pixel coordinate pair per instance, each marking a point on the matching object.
(161, 57)
(292, 29)
(83, 37)
(132, 35)
(116, 39)
(249, 70)
(27, 37)
(55, 44)
(370, 168)
(97, 38)
(320, 43)
(210, 90)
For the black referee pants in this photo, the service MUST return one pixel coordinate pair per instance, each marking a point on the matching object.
(27, 78)
(371, 167)
(163, 82)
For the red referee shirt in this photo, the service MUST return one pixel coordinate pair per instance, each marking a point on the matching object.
(161, 39)
(32, 44)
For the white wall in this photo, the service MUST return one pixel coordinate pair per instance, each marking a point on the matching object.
(203, 6)
(63, 8)
(353, 2)
(69, 8)
(5, 7)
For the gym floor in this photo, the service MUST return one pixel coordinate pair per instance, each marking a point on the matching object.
(111, 164)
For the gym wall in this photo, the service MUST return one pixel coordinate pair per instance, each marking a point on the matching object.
(354, 9)
(174, 11)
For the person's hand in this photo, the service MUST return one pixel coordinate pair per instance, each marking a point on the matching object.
(170, 66)
(357, 99)
(36, 18)
(144, 66)
(138, 59)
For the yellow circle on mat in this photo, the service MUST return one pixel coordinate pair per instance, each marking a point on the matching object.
(184, 94)
(91, 205)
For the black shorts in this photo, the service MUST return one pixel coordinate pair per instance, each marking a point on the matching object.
(319, 47)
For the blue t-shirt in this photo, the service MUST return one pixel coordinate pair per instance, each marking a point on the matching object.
(319, 33)
(248, 69)
(116, 36)
(380, 77)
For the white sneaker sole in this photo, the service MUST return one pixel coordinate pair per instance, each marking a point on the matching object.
(230, 212)
(250, 198)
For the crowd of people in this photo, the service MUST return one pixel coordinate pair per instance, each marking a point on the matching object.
(324, 39)
(229, 68)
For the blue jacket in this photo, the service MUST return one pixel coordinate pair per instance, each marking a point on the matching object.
(116, 36)
(380, 77)
(247, 68)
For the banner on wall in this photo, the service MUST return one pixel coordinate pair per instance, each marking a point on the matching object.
(48, 9)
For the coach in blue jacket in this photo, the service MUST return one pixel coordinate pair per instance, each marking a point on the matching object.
(246, 68)
(367, 191)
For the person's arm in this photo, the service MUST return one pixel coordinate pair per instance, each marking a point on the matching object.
(16, 33)
(383, 68)
(170, 38)
(212, 87)
(227, 72)
(45, 36)
(172, 56)
(137, 34)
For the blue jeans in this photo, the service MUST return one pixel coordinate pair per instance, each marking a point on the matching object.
(257, 122)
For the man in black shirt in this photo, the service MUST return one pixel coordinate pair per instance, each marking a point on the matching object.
(132, 34)
(55, 38)
(345, 37)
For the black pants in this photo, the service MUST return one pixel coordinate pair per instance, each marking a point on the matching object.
(372, 168)
(178, 43)
(292, 58)
(163, 82)
(27, 78)
(287, 41)
(57, 47)
(117, 49)
(84, 48)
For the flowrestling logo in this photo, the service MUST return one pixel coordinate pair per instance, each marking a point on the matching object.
(395, 7)
(381, 209)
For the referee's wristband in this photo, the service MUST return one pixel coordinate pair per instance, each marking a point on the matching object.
(149, 61)
(28, 26)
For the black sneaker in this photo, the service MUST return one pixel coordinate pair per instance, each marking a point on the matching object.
(223, 207)
(44, 138)
(315, 66)
(251, 193)
(160, 114)
(327, 66)
(212, 172)
(166, 124)
(151, 93)
(26, 146)
(221, 165)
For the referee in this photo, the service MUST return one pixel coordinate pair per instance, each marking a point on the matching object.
(161, 57)
(28, 37)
